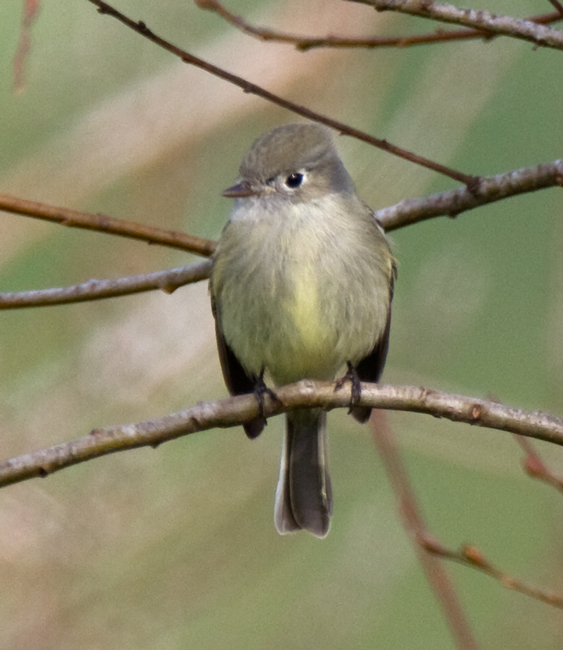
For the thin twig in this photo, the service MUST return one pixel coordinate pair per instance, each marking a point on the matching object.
(476, 19)
(488, 190)
(107, 224)
(409, 211)
(414, 523)
(536, 468)
(253, 89)
(558, 6)
(167, 281)
(305, 43)
(305, 394)
(30, 13)
(451, 203)
(471, 556)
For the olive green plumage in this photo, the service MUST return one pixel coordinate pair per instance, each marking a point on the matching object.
(301, 285)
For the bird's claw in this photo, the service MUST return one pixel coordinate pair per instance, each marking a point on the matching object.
(356, 385)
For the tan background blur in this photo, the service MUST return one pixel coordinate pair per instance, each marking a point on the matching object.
(175, 547)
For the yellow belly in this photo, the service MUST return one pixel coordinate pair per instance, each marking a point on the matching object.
(305, 312)
(295, 304)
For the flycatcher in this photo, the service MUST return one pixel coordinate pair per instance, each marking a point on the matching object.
(301, 286)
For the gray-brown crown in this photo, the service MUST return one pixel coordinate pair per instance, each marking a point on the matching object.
(288, 148)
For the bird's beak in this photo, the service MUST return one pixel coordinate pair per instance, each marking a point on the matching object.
(244, 188)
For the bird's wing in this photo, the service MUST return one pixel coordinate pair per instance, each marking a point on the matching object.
(238, 382)
(370, 368)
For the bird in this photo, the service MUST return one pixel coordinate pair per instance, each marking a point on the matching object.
(301, 287)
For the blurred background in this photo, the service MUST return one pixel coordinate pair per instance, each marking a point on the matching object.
(176, 547)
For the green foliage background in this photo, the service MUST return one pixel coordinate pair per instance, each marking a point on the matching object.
(175, 547)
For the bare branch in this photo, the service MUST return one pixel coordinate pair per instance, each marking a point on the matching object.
(450, 203)
(167, 281)
(536, 468)
(107, 224)
(305, 394)
(413, 522)
(253, 89)
(472, 557)
(476, 19)
(31, 11)
(487, 189)
(558, 6)
(305, 43)
(469, 555)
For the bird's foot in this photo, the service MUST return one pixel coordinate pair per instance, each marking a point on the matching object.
(260, 390)
(351, 376)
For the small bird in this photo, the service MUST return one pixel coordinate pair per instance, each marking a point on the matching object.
(301, 286)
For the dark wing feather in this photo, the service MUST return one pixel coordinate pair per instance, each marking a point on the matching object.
(370, 368)
(236, 379)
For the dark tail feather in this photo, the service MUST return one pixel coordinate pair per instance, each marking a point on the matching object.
(253, 428)
(303, 495)
(360, 413)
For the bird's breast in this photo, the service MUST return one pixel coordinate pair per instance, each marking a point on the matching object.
(293, 299)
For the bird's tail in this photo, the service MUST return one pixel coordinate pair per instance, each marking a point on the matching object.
(303, 495)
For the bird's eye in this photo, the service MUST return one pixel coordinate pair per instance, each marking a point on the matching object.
(294, 180)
